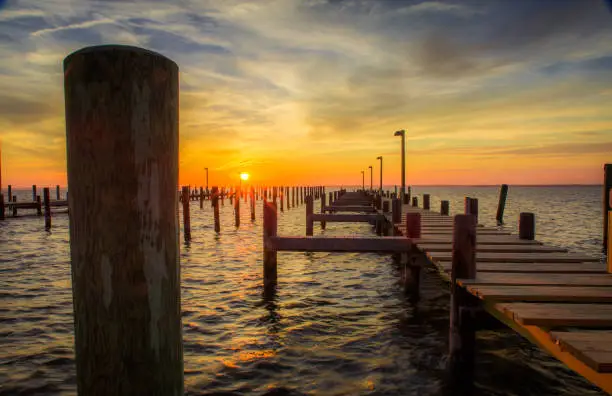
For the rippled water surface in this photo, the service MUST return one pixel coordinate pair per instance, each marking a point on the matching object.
(339, 324)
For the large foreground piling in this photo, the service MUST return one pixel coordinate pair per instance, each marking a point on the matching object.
(270, 225)
(462, 333)
(46, 201)
(122, 103)
(607, 205)
(503, 193)
(186, 214)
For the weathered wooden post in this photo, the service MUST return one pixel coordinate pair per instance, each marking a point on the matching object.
(607, 205)
(126, 286)
(385, 207)
(222, 195)
(14, 206)
(413, 225)
(322, 210)
(462, 333)
(33, 192)
(474, 208)
(39, 211)
(426, 199)
(237, 208)
(2, 217)
(186, 214)
(10, 192)
(57, 192)
(270, 224)
(396, 207)
(214, 202)
(201, 198)
(309, 210)
(281, 197)
(415, 202)
(527, 226)
(252, 204)
(444, 208)
(466, 205)
(503, 193)
(47, 208)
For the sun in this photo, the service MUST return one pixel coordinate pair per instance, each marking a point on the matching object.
(244, 176)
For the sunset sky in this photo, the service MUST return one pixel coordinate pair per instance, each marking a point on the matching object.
(310, 92)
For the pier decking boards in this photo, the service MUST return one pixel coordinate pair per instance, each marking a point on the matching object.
(560, 301)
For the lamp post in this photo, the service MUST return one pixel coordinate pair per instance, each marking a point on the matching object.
(380, 158)
(206, 169)
(402, 133)
(363, 180)
(371, 171)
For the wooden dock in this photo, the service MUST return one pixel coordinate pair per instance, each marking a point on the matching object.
(558, 300)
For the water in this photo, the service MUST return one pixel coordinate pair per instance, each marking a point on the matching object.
(338, 325)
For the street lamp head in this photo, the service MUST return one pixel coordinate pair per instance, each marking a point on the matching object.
(379, 157)
(370, 166)
(399, 133)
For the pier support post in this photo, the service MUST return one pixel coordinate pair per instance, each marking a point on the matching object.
(186, 214)
(1, 206)
(201, 198)
(14, 206)
(39, 211)
(413, 225)
(503, 193)
(33, 192)
(609, 255)
(474, 208)
(281, 197)
(122, 103)
(527, 226)
(270, 224)
(309, 211)
(415, 202)
(385, 207)
(444, 208)
(607, 206)
(462, 333)
(10, 192)
(426, 201)
(57, 192)
(47, 208)
(237, 208)
(252, 194)
(322, 210)
(214, 202)
(396, 207)
(466, 205)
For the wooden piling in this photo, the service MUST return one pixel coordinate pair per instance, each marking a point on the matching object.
(527, 226)
(322, 210)
(237, 209)
(214, 202)
(14, 206)
(415, 202)
(462, 334)
(2, 216)
(57, 192)
(474, 208)
(444, 208)
(609, 255)
(34, 193)
(10, 192)
(503, 193)
(270, 225)
(252, 195)
(288, 197)
(396, 208)
(201, 198)
(426, 202)
(413, 225)
(607, 205)
(309, 211)
(126, 289)
(46, 201)
(39, 211)
(186, 214)
(385, 207)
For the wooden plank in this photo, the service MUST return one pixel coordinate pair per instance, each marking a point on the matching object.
(355, 218)
(58, 203)
(594, 268)
(481, 247)
(558, 314)
(520, 257)
(482, 240)
(500, 278)
(543, 293)
(349, 208)
(594, 348)
(338, 244)
(22, 205)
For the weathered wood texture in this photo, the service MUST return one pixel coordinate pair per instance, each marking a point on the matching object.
(561, 268)
(542, 293)
(558, 314)
(580, 280)
(270, 225)
(592, 347)
(340, 244)
(501, 205)
(122, 104)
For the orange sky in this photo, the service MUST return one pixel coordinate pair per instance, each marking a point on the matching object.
(310, 93)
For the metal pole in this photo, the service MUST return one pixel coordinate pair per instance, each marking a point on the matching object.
(206, 179)
(371, 171)
(402, 133)
(363, 180)
(381, 179)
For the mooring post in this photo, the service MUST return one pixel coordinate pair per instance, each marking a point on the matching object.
(288, 198)
(396, 207)
(607, 206)
(39, 211)
(57, 192)
(413, 225)
(503, 193)
(47, 208)
(415, 202)
(237, 208)
(281, 197)
(186, 214)
(252, 204)
(444, 208)
(14, 206)
(462, 333)
(309, 211)
(426, 198)
(466, 205)
(322, 210)
(527, 226)
(270, 224)
(385, 206)
(474, 208)
(33, 192)
(201, 198)
(214, 202)
(127, 311)
(2, 206)
(10, 192)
